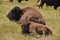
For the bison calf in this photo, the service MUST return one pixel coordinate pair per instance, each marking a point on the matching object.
(39, 28)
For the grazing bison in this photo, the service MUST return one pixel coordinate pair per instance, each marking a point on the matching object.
(39, 28)
(55, 3)
(21, 0)
(24, 16)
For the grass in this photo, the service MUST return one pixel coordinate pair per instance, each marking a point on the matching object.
(12, 31)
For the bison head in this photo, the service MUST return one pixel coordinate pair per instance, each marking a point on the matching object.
(15, 14)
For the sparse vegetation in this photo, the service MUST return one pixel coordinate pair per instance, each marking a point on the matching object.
(12, 31)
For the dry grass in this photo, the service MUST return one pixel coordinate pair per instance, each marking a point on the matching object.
(12, 31)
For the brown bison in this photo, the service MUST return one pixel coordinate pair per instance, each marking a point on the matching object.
(24, 16)
(31, 14)
(39, 28)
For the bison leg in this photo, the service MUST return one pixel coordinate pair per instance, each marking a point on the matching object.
(47, 32)
(26, 0)
(40, 32)
(25, 29)
(55, 7)
(19, 1)
(42, 3)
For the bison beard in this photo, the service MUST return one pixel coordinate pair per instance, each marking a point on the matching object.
(24, 16)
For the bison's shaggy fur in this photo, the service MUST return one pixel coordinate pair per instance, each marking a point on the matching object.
(24, 16)
(55, 3)
(15, 14)
(39, 28)
(31, 14)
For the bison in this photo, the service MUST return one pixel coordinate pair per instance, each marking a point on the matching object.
(55, 3)
(30, 14)
(25, 15)
(38, 28)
